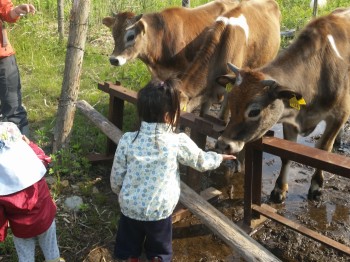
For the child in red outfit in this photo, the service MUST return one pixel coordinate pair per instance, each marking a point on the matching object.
(25, 201)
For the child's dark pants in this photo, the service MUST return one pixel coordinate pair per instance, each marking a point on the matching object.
(154, 236)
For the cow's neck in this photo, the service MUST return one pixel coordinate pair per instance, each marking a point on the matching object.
(292, 70)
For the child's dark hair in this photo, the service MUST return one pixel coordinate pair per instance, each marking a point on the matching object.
(156, 99)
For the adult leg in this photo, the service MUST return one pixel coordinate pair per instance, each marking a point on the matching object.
(11, 107)
(158, 241)
(48, 243)
(25, 248)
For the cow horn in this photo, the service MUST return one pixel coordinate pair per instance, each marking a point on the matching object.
(268, 82)
(235, 70)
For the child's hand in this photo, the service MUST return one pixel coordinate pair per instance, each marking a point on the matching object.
(228, 157)
(25, 139)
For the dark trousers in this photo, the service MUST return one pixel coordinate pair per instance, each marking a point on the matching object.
(134, 235)
(11, 107)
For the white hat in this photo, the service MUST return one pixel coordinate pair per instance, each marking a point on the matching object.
(20, 167)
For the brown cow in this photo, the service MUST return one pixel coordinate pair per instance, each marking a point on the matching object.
(315, 69)
(165, 41)
(247, 35)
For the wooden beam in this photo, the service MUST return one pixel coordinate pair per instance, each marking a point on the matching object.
(303, 230)
(231, 234)
(220, 225)
(327, 161)
(100, 121)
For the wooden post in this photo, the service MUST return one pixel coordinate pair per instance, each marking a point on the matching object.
(60, 19)
(314, 12)
(71, 81)
(230, 233)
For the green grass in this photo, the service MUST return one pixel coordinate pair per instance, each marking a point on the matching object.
(41, 61)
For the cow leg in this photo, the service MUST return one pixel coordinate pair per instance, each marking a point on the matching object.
(224, 110)
(338, 140)
(205, 107)
(193, 103)
(279, 193)
(332, 130)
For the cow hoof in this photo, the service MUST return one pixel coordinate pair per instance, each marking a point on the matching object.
(314, 195)
(277, 196)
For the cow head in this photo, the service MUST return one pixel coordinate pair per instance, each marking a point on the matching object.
(256, 104)
(128, 31)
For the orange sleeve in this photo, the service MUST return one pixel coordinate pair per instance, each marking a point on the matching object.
(5, 7)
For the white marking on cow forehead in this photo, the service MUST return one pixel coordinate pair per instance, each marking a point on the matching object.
(333, 45)
(223, 19)
(242, 22)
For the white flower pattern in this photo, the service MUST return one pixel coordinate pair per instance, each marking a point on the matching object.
(9, 134)
(145, 172)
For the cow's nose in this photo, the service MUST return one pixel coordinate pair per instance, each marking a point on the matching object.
(221, 146)
(114, 61)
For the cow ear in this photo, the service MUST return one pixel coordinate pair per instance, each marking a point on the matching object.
(280, 92)
(225, 79)
(108, 21)
(138, 17)
(142, 25)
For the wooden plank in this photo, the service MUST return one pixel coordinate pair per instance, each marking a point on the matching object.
(256, 223)
(213, 128)
(223, 227)
(210, 194)
(327, 161)
(303, 230)
(119, 91)
(100, 121)
(99, 158)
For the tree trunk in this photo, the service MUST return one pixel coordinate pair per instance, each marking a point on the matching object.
(71, 81)
(314, 12)
(186, 3)
(60, 19)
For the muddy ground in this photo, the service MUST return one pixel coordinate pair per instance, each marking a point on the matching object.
(88, 235)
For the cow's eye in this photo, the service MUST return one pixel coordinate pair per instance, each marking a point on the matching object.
(130, 38)
(254, 113)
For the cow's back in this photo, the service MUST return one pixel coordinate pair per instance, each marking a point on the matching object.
(184, 30)
(263, 18)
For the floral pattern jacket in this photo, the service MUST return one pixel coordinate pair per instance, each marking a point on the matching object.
(145, 171)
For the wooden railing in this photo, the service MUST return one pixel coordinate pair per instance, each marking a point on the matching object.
(331, 162)
(201, 128)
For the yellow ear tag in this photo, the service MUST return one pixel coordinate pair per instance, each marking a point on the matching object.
(296, 103)
(229, 87)
(184, 108)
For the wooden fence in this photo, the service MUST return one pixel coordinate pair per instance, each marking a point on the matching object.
(201, 128)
